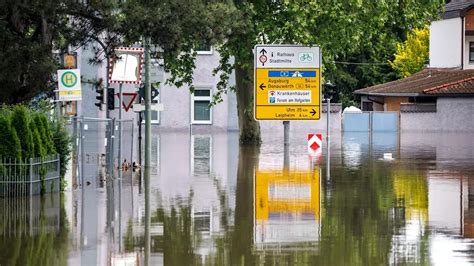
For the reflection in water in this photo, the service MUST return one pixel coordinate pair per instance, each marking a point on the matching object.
(215, 203)
(33, 231)
(287, 208)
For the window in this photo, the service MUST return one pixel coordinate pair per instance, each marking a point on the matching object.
(201, 154)
(471, 52)
(202, 221)
(367, 106)
(201, 113)
(155, 155)
(204, 48)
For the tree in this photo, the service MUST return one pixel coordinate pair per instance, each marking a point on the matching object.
(413, 54)
(369, 64)
(363, 31)
(30, 30)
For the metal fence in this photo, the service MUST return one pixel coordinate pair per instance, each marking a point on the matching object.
(28, 177)
(370, 122)
(96, 149)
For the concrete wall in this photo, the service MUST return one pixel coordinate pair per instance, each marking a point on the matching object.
(445, 43)
(453, 114)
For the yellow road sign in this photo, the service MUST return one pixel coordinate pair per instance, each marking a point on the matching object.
(287, 83)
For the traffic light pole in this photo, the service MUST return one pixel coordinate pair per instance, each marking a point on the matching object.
(147, 149)
(120, 134)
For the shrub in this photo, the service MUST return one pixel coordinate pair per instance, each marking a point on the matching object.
(39, 147)
(45, 133)
(62, 144)
(19, 121)
(10, 147)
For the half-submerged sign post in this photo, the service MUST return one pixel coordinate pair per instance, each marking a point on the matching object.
(287, 82)
(125, 69)
(287, 85)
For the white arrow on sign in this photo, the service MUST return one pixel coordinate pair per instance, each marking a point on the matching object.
(159, 107)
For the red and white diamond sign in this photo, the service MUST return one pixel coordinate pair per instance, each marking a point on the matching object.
(315, 141)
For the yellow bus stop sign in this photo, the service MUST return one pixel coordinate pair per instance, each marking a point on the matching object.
(287, 82)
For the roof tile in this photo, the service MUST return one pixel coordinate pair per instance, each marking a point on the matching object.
(428, 81)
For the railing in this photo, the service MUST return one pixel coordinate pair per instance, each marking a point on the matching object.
(30, 177)
(418, 107)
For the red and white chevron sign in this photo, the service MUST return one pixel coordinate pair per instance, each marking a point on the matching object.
(315, 141)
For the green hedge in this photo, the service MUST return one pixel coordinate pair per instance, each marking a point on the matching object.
(28, 133)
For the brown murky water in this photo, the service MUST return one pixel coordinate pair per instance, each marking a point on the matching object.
(215, 203)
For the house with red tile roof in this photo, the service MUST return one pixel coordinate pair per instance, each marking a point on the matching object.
(441, 96)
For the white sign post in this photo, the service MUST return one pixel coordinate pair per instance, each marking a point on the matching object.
(69, 85)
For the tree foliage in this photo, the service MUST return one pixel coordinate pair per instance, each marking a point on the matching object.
(10, 149)
(388, 27)
(360, 31)
(413, 54)
(364, 32)
(27, 32)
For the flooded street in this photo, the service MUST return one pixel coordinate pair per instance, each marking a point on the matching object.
(215, 203)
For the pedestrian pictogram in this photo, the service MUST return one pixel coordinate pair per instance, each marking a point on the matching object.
(127, 99)
(263, 59)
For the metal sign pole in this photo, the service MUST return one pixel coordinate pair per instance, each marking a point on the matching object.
(147, 149)
(120, 134)
(328, 159)
(328, 116)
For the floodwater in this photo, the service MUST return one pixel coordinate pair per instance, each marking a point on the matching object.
(212, 202)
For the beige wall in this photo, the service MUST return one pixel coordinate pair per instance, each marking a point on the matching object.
(392, 104)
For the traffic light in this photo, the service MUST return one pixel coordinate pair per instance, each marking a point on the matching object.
(99, 97)
(329, 91)
(111, 98)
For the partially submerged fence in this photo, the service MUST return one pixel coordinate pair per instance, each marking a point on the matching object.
(370, 121)
(29, 177)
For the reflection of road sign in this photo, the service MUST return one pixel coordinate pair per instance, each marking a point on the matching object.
(279, 195)
(69, 85)
(127, 99)
(293, 72)
(127, 67)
